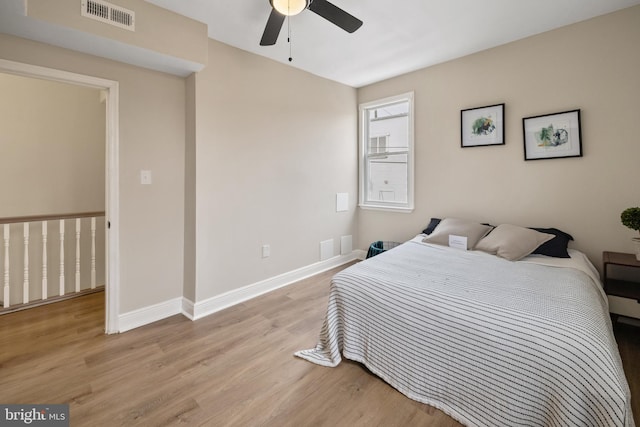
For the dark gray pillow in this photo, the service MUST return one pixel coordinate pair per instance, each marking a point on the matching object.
(432, 225)
(556, 247)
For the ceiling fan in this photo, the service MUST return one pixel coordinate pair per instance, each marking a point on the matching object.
(283, 8)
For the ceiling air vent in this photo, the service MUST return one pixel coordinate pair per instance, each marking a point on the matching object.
(109, 14)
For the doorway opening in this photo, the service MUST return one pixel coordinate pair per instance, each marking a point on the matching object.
(109, 91)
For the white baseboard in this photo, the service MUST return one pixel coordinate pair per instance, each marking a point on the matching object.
(153, 313)
(188, 308)
(193, 311)
(198, 310)
(360, 254)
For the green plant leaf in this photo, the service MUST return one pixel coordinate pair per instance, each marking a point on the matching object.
(631, 218)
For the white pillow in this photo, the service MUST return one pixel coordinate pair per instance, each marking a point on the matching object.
(512, 242)
(473, 231)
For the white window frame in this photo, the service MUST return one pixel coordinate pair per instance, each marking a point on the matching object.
(363, 173)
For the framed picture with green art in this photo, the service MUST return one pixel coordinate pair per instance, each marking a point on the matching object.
(482, 126)
(552, 136)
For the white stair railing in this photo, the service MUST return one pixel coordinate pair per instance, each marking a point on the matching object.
(78, 228)
(61, 281)
(25, 283)
(45, 270)
(93, 253)
(29, 239)
(7, 293)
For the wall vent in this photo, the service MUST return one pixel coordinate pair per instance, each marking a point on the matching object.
(108, 13)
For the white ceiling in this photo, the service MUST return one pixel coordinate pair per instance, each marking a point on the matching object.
(397, 36)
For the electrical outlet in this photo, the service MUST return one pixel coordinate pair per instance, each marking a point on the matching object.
(266, 251)
(145, 177)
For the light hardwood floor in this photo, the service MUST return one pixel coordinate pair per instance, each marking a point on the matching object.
(233, 368)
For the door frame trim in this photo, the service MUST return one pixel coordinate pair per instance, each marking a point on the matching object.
(112, 232)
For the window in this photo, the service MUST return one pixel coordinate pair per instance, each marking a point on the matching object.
(386, 153)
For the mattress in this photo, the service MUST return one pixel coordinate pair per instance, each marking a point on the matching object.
(488, 341)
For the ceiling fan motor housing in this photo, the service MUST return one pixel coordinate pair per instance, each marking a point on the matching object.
(290, 7)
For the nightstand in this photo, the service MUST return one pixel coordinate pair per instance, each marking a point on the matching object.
(616, 287)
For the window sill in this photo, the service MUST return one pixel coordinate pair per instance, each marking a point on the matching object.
(386, 208)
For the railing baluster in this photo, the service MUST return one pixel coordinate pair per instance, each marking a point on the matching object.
(45, 290)
(61, 290)
(11, 283)
(7, 292)
(77, 254)
(25, 283)
(93, 253)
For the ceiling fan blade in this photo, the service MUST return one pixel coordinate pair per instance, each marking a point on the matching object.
(335, 15)
(272, 30)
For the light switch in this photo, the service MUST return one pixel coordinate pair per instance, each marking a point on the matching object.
(145, 177)
(342, 202)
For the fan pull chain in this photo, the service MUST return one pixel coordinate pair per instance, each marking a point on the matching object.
(289, 38)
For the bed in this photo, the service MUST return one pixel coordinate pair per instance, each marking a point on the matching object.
(489, 341)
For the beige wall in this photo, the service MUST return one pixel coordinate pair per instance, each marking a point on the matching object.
(53, 145)
(152, 135)
(592, 66)
(273, 146)
(273, 181)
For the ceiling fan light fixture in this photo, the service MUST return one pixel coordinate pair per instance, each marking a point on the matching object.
(289, 7)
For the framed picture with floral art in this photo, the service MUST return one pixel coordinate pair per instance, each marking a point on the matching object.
(482, 126)
(552, 136)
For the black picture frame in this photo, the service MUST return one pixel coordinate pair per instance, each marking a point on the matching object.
(552, 136)
(482, 126)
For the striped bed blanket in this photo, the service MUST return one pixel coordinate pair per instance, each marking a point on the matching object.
(488, 341)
